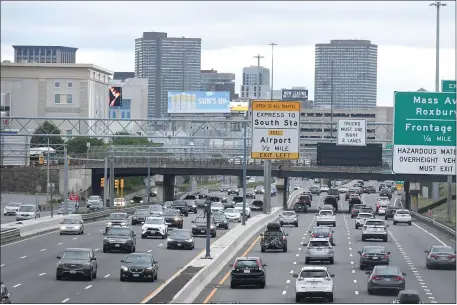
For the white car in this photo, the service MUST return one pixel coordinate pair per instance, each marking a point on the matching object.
(27, 211)
(247, 210)
(343, 189)
(119, 202)
(217, 207)
(383, 208)
(361, 218)
(323, 188)
(93, 199)
(402, 216)
(251, 180)
(374, 229)
(383, 199)
(11, 208)
(313, 282)
(154, 226)
(233, 214)
(325, 217)
(71, 225)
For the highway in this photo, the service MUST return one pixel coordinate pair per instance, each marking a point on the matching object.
(406, 244)
(28, 267)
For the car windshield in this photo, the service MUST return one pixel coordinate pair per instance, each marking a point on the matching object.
(365, 216)
(375, 250)
(288, 214)
(381, 270)
(200, 220)
(117, 217)
(119, 231)
(219, 216)
(239, 205)
(260, 187)
(257, 202)
(250, 190)
(155, 221)
(409, 298)
(357, 206)
(318, 243)
(94, 198)
(141, 213)
(13, 204)
(325, 213)
(321, 230)
(230, 210)
(374, 223)
(313, 274)
(216, 205)
(181, 234)
(190, 197)
(237, 199)
(448, 250)
(136, 198)
(246, 264)
(403, 212)
(27, 208)
(138, 259)
(70, 221)
(233, 187)
(179, 203)
(171, 213)
(76, 255)
(155, 208)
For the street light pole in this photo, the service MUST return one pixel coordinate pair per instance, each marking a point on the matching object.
(243, 221)
(331, 100)
(48, 186)
(272, 67)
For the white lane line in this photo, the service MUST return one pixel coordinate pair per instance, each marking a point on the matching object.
(350, 249)
(107, 275)
(427, 290)
(75, 238)
(295, 263)
(291, 271)
(66, 300)
(88, 234)
(356, 292)
(160, 245)
(22, 257)
(284, 292)
(297, 254)
(350, 254)
(42, 250)
(434, 302)
(2, 265)
(424, 286)
(87, 287)
(428, 293)
(355, 281)
(439, 240)
(352, 263)
(101, 230)
(288, 282)
(41, 274)
(96, 249)
(299, 249)
(349, 242)
(353, 271)
(149, 251)
(17, 285)
(59, 244)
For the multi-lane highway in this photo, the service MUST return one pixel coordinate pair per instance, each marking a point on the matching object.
(406, 244)
(28, 267)
(22, 198)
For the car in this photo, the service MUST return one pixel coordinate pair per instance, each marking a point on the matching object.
(203, 193)
(381, 186)
(233, 215)
(116, 219)
(300, 207)
(273, 238)
(402, 216)
(390, 212)
(247, 209)
(217, 207)
(191, 201)
(440, 256)
(349, 192)
(168, 205)
(257, 205)
(407, 297)
(27, 211)
(334, 191)
(385, 193)
(260, 189)
(367, 209)
(139, 266)
(121, 238)
(368, 189)
(355, 210)
(201, 203)
(11, 208)
(327, 207)
(71, 207)
(182, 206)
(137, 200)
(374, 229)
(323, 189)
(273, 191)
(313, 282)
(373, 256)
(250, 193)
(156, 210)
(233, 189)
(322, 232)
(199, 226)
(93, 199)
(96, 206)
(325, 217)
(220, 220)
(307, 193)
(139, 216)
(319, 249)
(154, 226)
(225, 187)
(248, 271)
(382, 208)
(385, 278)
(181, 239)
(306, 199)
(251, 180)
(333, 201)
(119, 203)
(71, 225)
(77, 262)
(288, 218)
(173, 218)
(153, 192)
(361, 218)
(315, 190)
(342, 189)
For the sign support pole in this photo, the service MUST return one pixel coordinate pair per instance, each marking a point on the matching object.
(106, 183)
(267, 185)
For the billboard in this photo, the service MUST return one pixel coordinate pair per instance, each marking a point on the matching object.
(295, 94)
(199, 102)
(115, 96)
(239, 106)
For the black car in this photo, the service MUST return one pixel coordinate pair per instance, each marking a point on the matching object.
(335, 192)
(191, 201)
(250, 193)
(182, 206)
(136, 200)
(139, 266)
(77, 261)
(220, 220)
(237, 199)
(368, 189)
(140, 216)
(300, 207)
(371, 256)
(217, 197)
(257, 205)
(306, 199)
(199, 226)
(315, 190)
(203, 193)
(390, 212)
(385, 193)
(248, 271)
(181, 239)
(407, 297)
(224, 188)
(322, 232)
(381, 186)
(233, 189)
(274, 238)
(119, 239)
(156, 210)
(332, 200)
(173, 218)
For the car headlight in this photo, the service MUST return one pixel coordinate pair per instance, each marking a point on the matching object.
(87, 265)
(109, 224)
(176, 218)
(169, 239)
(149, 268)
(125, 268)
(62, 227)
(124, 223)
(212, 227)
(194, 226)
(189, 240)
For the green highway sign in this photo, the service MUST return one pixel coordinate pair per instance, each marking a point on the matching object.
(448, 86)
(388, 146)
(424, 133)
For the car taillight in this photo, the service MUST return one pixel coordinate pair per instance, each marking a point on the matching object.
(375, 277)
(386, 256)
(234, 265)
(259, 265)
(434, 256)
(283, 238)
(451, 256)
(313, 235)
(399, 278)
(364, 255)
(330, 235)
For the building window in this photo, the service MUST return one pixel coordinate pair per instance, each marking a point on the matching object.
(69, 99)
(56, 98)
(63, 99)
(70, 85)
(56, 84)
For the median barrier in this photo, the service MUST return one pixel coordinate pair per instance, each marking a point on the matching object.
(223, 250)
(431, 221)
(9, 235)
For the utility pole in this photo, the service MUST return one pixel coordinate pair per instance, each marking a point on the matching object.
(272, 67)
(438, 5)
(105, 181)
(331, 99)
(65, 180)
(48, 182)
(149, 179)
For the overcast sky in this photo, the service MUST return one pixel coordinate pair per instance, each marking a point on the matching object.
(233, 32)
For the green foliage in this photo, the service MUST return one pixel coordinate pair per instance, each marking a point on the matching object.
(129, 141)
(133, 183)
(46, 128)
(78, 145)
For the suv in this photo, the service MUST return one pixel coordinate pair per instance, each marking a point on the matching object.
(116, 219)
(200, 225)
(27, 211)
(325, 217)
(77, 261)
(361, 218)
(248, 271)
(313, 282)
(260, 189)
(140, 216)
(319, 249)
(314, 190)
(273, 238)
(402, 216)
(374, 229)
(173, 218)
(385, 192)
(119, 238)
(390, 212)
(257, 205)
(191, 201)
(288, 218)
(233, 189)
(154, 226)
(332, 200)
(407, 297)
(182, 206)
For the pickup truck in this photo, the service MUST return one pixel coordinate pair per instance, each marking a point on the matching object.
(325, 217)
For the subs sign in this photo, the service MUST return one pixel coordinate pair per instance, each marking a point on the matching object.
(275, 130)
(352, 132)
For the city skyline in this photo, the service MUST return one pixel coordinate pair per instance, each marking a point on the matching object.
(403, 31)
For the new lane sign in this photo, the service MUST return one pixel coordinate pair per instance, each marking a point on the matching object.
(275, 130)
(424, 133)
(448, 86)
(352, 132)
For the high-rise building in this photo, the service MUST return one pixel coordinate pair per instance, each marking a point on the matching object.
(256, 83)
(122, 76)
(45, 54)
(169, 64)
(211, 80)
(346, 74)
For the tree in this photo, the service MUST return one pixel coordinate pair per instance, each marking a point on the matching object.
(39, 138)
(78, 145)
(130, 141)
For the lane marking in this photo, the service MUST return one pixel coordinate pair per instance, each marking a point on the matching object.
(149, 251)
(107, 275)
(352, 263)
(288, 282)
(355, 281)
(2, 265)
(17, 285)
(439, 240)
(41, 274)
(356, 292)
(353, 271)
(291, 271)
(88, 234)
(96, 249)
(160, 245)
(295, 263)
(299, 249)
(297, 254)
(42, 250)
(284, 292)
(66, 300)
(22, 257)
(59, 244)
(75, 238)
(350, 254)
(87, 287)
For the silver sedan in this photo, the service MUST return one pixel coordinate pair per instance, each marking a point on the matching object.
(72, 225)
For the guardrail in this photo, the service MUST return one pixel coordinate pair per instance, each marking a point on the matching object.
(9, 235)
(434, 223)
(104, 213)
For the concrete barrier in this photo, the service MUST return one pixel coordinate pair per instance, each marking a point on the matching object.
(41, 226)
(222, 252)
